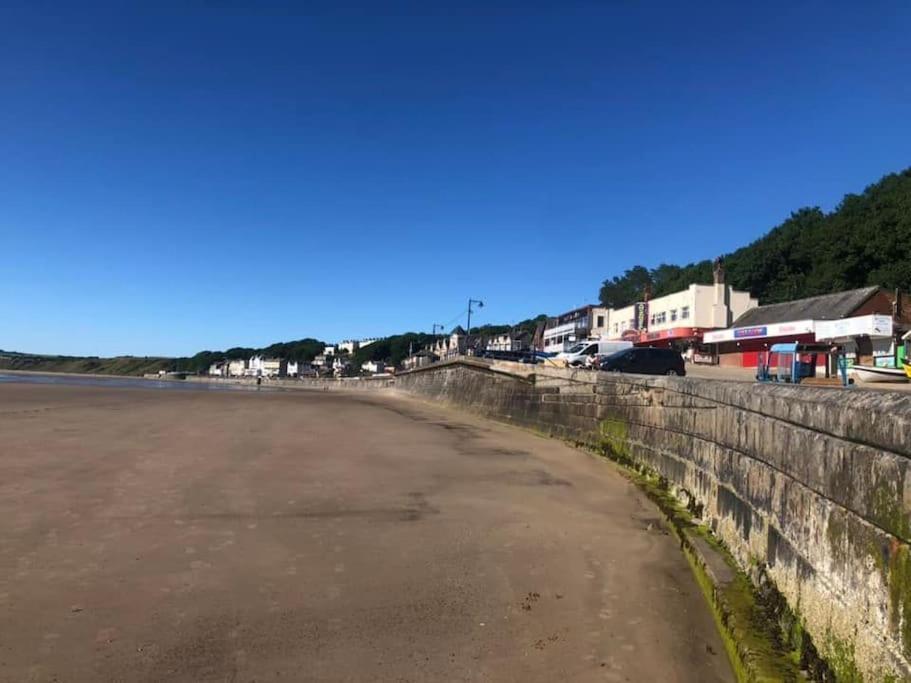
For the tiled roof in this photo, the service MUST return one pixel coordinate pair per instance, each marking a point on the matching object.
(825, 307)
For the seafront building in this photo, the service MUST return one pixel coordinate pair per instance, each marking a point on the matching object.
(677, 320)
(867, 322)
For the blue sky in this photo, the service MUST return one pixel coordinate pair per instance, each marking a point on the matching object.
(197, 176)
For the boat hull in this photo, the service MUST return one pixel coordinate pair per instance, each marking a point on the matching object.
(876, 375)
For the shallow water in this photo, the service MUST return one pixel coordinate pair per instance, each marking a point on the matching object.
(126, 383)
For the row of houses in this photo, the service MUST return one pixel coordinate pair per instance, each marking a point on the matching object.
(679, 319)
(255, 366)
(714, 324)
(718, 324)
(335, 359)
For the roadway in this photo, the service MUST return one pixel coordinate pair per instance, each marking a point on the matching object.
(150, 535)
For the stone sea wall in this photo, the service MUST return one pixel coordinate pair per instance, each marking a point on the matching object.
(811, 484)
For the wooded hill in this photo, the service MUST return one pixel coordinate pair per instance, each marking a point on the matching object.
(865, 240)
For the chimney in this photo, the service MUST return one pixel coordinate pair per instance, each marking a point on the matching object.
(721, 306)
(718, 271)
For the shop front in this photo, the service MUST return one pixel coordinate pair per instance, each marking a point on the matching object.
(866, 339)
(741, 346)
(686, 340)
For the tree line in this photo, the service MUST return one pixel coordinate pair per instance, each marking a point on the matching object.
(865, 240)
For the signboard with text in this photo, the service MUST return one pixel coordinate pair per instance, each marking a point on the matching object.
(640, 317)
(760, 331)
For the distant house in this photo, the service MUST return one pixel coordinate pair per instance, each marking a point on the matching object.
(349, 345)
(254, 367)
(275, 367)
(330, 350)
(218, 369)
(236, 368)
(514, 340)
(340, 366)
(374, 367)
(292, 369)
(419, 360)
(352, 345)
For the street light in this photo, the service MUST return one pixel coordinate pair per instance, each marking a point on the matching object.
(480, 305)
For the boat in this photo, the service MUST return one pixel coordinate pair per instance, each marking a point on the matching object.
(906, 361)
(868, 373)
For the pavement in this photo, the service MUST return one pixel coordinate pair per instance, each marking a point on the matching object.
(150, 535)
(749, 375)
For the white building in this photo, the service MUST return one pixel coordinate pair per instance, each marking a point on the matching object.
(374, 367)
(349, 345)
(588, 322)
(274, 367)
(255, 367)
(681, 317)
(237, 368)
(292, 370)
(330, 350)
(217, 369)
(508, 341)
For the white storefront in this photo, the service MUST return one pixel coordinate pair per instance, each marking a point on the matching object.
(846, 331)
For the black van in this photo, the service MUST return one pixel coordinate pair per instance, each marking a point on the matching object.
(645, 361)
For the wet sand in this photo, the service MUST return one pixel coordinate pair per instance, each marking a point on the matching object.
(150, 535)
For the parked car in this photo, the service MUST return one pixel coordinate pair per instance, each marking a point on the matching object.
(644, 361)
(584, 351)
(515, 356)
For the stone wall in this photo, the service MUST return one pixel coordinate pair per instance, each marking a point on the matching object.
(813, 484)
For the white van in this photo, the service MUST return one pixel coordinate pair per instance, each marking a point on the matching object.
(578, 354)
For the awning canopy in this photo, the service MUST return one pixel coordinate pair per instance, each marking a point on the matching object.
(859, 326)
(760, 331)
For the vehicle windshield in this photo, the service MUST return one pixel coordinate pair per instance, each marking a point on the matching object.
(576, 348)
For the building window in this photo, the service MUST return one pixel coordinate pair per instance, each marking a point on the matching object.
(673, 314)
(660, 318)
(652, 319)
(600, 321)
(685, 312)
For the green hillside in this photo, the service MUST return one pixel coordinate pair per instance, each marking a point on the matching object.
(865, 240)
(121, 365)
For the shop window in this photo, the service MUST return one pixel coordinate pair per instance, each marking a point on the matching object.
(685, 312)
(600, 321)
(673, 314)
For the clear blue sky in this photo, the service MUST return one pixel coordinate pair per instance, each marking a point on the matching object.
(197, 176)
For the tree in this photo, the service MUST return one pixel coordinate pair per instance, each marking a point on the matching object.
(865, 240)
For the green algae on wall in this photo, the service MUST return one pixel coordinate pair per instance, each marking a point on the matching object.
(900, 592)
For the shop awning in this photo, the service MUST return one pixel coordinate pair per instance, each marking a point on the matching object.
(760, 331)
(859, 326)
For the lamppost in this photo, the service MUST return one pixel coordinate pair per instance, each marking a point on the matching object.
(468, 331)
(433, 347)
